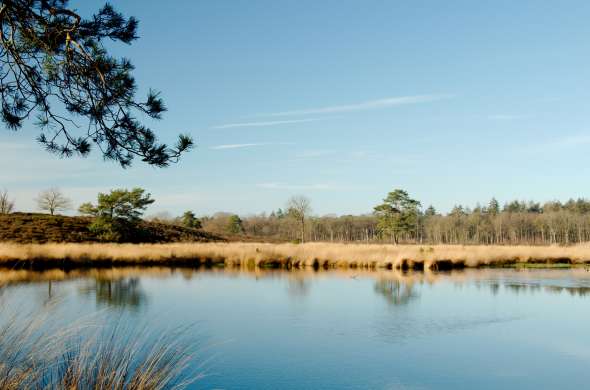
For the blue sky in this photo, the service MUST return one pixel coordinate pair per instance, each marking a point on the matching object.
(343, 101)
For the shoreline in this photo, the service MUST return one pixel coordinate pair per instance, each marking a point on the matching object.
(289, 256)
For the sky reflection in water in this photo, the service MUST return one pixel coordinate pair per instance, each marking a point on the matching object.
(356, 330)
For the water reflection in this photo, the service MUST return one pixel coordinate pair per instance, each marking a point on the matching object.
(494, 287)
(121, 287)
(51, 293)
(516, 288)
(396, 292)
(345, 328)
(122, 293)
(298, 286)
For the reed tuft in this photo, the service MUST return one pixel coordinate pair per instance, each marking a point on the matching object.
(32, 356)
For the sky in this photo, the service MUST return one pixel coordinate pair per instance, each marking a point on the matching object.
(343, 101)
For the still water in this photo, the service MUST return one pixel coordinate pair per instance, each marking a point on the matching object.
(474, 329)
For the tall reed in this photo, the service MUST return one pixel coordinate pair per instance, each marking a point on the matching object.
(33, 356)
(303, 255)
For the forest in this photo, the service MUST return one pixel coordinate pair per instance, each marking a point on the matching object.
(401, 219)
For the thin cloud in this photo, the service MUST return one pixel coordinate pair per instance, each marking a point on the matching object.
(505, 117)
(337, 157)
(298, 187)
(559, 144)
(573, 140)
(233, 146)
(367, 105)
(249, 145)
(313, 153)
(264, 124)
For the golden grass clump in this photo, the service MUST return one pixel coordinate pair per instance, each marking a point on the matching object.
(328, 255)
(32, 356)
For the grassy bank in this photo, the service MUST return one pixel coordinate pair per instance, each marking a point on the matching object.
(27, 228)
(311, 255)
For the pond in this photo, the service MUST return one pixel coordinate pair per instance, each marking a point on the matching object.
(484, 329)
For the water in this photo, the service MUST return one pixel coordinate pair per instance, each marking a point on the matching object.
(484, 329)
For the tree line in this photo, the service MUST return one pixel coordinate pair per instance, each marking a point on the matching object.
(399, 219)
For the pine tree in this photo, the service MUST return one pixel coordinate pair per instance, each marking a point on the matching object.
(54, 65)
(493, 207)
(117, 214)
(235, 225)
(398, 215)
(430, 211)
(190, 220)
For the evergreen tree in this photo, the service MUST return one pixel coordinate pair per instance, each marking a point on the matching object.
(430, 211)
(493, 207)
(54, 63)
(190, 220)
(117, 214)
(515, 207)
(235, 225)
(398, 215)
(533, 207)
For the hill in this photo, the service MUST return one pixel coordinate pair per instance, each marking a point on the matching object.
(27, 228)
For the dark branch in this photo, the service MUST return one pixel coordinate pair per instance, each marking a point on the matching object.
(49, 55)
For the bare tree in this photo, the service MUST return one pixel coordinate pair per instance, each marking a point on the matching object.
(299, 207)
(6, 205)
(53, 200)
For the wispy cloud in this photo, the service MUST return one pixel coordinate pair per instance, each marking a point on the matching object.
(505, 117)
(299, 187)
(566, 142)
(248, 145)
(315, 153)
(367, 105)
(234, 146)
(573, 140)
(265, 124)
(331, 156)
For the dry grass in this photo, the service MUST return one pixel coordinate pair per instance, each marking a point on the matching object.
(33, 356)
(328, 255)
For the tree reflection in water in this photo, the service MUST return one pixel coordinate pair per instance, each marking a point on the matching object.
(395, 292)
(517, 288)
(298, 286)
(122, 293)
